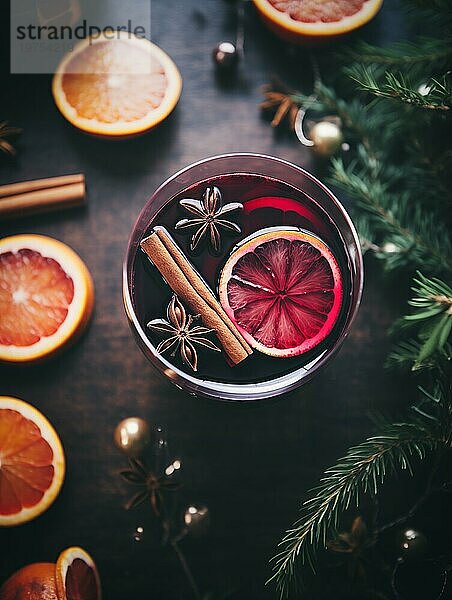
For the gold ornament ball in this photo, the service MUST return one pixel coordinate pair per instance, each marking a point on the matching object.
(327, 138)
(413, 544)
(132, 435)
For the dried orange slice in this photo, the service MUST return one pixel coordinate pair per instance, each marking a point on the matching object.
(283, 290)
(304, 20)
(32, 464)
(46, 296)
(76, 576)
(116, 87)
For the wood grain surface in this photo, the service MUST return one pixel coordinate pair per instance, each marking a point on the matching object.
(250, 464)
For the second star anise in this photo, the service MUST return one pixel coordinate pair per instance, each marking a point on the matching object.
(181, 333)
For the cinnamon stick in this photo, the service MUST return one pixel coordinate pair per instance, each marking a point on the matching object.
(22, 187)
(198, 283)
(188, 284)
(30, 197)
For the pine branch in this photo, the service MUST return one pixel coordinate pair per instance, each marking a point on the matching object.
(437, 13)
(410, 235)
(399, 87)
(363, 469)
(434, 297)
(427, 177)
(436, 406)
(432, 324)
(366, 235)
(426, 52)
(399, 183)
(404, 354)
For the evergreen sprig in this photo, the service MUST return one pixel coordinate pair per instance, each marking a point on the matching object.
(397, 178)
(430, 326)
(362, 470)
(425, 54)
(436, 93)
(407, 234)
(437, 13)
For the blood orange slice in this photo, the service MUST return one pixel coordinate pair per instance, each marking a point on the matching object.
(301, 20)
(76, 576)
(116, 87)
(46, 296)
(32, 464)
(283, 289)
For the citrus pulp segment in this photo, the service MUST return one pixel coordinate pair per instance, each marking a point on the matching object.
(32, 463)
(46, 297)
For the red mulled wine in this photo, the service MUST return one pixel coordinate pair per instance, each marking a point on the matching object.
(277, 261)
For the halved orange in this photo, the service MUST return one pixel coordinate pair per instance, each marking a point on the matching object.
(116, 87)
(46, 297)
(32, 463)
(309, 20)
(33, 582)
(76, 576)
(73, 577)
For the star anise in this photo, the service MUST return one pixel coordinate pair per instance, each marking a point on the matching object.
(208, 221)
(6, 133)
(279, 99)
(181, 333)
(152, 487)
(353, 543)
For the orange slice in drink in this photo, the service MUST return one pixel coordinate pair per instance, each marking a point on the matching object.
(305, 20)
(283, 290)
(116, 87)
(32, 464)
(76, 576)
(46, 297)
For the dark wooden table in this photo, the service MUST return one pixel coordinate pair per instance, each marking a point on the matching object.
(249, 464)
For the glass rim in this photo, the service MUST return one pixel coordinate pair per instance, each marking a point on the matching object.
(241, 391)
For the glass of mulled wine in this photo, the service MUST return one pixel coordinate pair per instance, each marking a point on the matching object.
(242, 277)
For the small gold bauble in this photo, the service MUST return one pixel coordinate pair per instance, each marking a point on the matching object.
(327, 138)
(413, 544)
(132, 435)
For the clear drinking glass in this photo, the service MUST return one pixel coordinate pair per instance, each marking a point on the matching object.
(292, 198)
